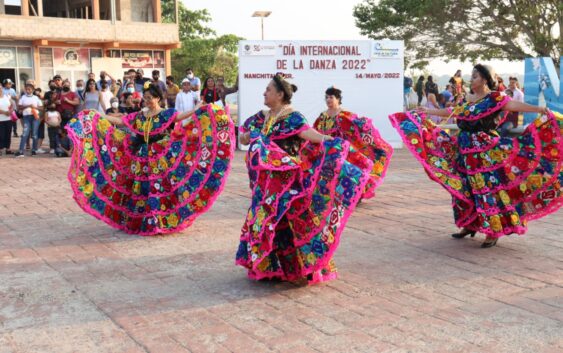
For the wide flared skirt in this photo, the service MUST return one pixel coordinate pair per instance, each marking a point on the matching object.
(497, 184)
(300, 206)
(156, 187)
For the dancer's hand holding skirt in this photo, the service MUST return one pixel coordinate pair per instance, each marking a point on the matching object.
(363, 137)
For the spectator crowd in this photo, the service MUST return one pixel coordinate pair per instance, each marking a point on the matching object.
(429, 95)
(40, 114)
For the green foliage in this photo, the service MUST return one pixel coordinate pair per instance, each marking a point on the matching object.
(208, 57)
(466, 29)
(203, 51)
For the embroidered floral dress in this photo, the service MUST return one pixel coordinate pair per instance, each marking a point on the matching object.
(157, 176)
(498, 184)
(302, 196)
(364, 137)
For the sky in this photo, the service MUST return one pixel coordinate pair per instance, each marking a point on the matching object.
(308, 19)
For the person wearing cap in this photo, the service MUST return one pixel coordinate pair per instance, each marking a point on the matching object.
(7, 106)
(140, 81)
(58, 81)
(7, 87)
(187, 99)
(29, 104)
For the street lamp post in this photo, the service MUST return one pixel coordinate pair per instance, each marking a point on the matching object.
(262, 14)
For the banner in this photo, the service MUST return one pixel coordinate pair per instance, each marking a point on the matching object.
(369, 73)
(71, 58)
(542, 85)
(137, 59)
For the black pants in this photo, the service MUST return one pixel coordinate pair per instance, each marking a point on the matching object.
(14, 125)
(53, 137)
(5, 134)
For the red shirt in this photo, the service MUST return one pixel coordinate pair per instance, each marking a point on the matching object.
(65, 105)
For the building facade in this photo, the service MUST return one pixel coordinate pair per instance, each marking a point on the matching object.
(42, 38)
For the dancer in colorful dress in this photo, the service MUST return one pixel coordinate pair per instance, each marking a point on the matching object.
(150, 172)
(304, 187)
(498, 184)
(361, 134)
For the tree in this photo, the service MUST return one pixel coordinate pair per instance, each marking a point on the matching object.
(208, 57)
(203, 51)
(466, 29)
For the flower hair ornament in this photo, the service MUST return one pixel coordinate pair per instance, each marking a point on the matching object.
(147, 85)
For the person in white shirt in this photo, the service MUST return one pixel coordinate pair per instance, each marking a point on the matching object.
(7, 87)
(30, 105)
(187, 99)
(513, 85)
(106, 95)
(6, 108)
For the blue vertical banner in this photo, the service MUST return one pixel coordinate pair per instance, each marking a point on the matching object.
(542, 85)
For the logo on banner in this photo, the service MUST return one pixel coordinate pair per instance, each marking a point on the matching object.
(387, 50)
(259, 49)
(70, 57)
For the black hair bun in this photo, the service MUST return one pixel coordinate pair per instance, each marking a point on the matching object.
(293, 88)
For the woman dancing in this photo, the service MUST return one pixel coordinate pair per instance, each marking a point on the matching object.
(304, 187)
(361, 134)
(497, 183)
(150, 172)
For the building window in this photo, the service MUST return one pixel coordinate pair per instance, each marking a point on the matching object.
(105, 10)
(12, 7)
(24, 57)
(142, 11)
(16, 63)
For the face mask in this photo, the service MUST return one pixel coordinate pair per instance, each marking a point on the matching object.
(52, 88)
(115, 105)
(66, 89)
(131, 89)
(80, 88)
(190, 76)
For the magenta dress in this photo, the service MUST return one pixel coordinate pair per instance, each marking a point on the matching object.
(155, 177)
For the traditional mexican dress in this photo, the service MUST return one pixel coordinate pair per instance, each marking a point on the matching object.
(364, 137)
(302, 196)
(498, 184)
(157, 176)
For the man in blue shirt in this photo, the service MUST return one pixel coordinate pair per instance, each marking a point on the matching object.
(447, 93)
(140, 81)
(104, 77)
(195, 82)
